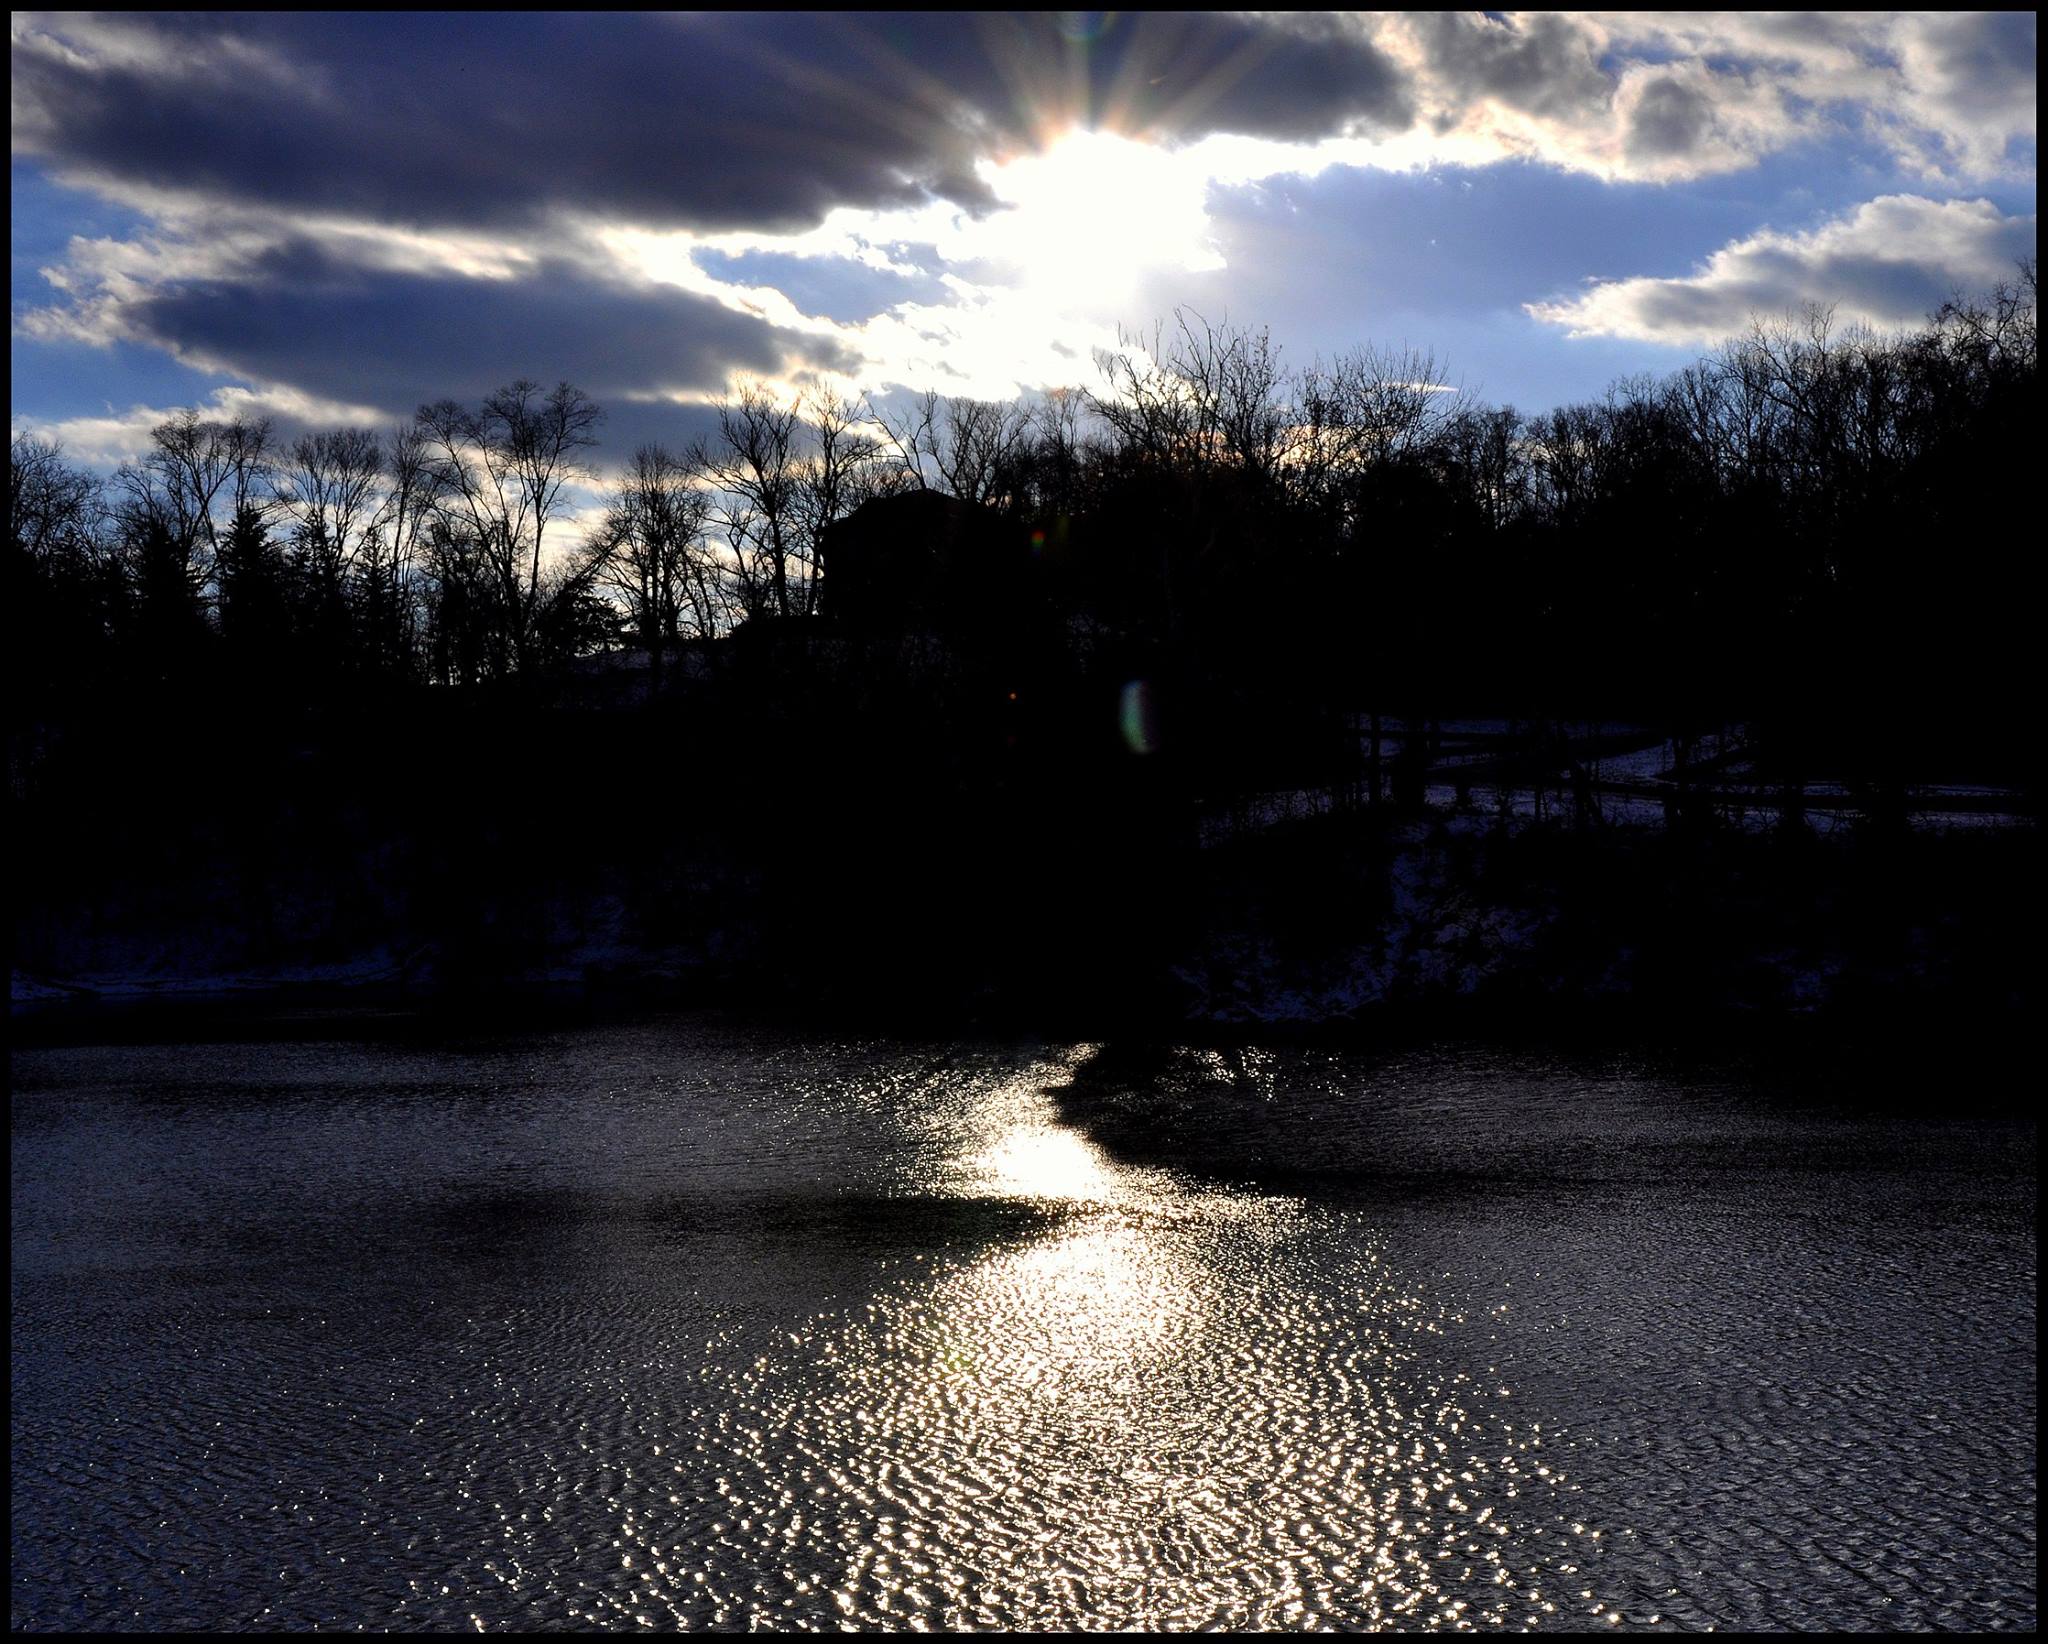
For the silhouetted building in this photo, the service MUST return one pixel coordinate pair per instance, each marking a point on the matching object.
(924, 561)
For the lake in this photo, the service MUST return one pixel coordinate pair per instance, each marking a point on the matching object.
(687, 1322)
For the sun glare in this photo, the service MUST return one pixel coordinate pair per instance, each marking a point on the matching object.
(1090, 215)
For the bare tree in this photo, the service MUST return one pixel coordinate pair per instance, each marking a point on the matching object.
(1371, 407)
(649, 552)
(198, 474)
(1206, 397)
(411, 492)
(977, 448)
(328, 484)
(754, 467)
(1489, 450)
(498, 474)
(55, 511)
(847, 466)
(1058, 450)
(540, 444)
(387, 565)
(910, 436)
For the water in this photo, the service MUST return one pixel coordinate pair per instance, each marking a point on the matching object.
(690, 1324)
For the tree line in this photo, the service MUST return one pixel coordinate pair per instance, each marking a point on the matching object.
(1807, 502)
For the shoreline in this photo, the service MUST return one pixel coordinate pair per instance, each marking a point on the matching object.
(1889, 1036)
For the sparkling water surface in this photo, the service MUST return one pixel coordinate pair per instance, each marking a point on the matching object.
(687, 1323)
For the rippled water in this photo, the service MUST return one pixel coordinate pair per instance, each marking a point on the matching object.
(689, 1324)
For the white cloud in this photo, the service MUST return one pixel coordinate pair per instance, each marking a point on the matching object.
(1887, 264)
(105, 442)
(1570, 90)
(1949, 94)
(1967, 79)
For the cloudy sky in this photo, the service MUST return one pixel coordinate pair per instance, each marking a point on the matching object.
(329, 218)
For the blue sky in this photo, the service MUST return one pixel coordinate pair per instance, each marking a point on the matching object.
(328, 219)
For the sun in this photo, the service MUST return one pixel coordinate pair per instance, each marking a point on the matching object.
(1088, 217)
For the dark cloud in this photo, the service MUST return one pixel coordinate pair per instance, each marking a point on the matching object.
(1298, 76)
(1677, 309)
(1540, 63)
(1891, 291)
(630, 424)
(1670, 119)
(392, 340)
(762, 120)
(1985, 55)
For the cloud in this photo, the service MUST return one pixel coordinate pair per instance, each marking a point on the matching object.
(1669, 96)
(368, 209)
(360, 206)
(1948, 95)
(104, 442)
(1888, 263)
(769, 121)
(1668, 118)
(1567, 90)
(764, 120)
(1968, 78)
(333, 321)
(443, 335)
(1543, 63)
(930, 295)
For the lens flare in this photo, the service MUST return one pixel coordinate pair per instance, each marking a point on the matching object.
(1139, 721)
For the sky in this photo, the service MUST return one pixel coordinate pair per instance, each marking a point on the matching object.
(330, 218)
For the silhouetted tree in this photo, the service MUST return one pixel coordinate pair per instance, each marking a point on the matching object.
(649, 552)
(779, 476)
(257, 610)
(64, 586)
(753, 466)
(499, 474)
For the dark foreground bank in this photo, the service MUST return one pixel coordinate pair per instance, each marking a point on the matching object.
(1346, 926)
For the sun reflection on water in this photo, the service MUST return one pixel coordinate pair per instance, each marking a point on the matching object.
(1041, 1162)
(1156, 1413)
(1157, 1404)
